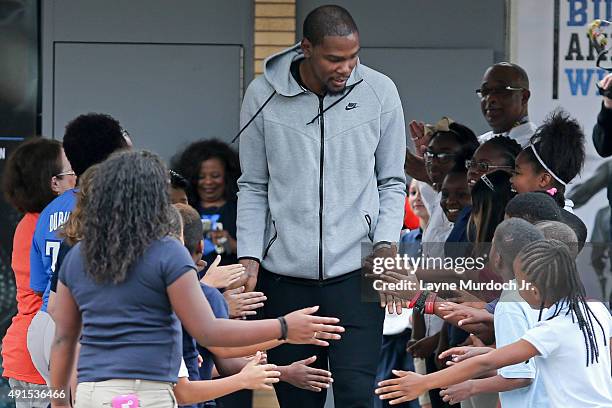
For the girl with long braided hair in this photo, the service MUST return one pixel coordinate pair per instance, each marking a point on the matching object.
(570, 343)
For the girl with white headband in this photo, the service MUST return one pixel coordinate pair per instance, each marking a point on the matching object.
(553, 158)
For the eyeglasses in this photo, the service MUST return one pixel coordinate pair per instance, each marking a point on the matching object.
(497, 91)
(65, 173)
(441, 157)
(483, 167)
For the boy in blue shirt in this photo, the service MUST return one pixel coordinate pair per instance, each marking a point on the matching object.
(88, 140)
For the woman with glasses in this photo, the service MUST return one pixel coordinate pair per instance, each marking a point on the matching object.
(34, 175)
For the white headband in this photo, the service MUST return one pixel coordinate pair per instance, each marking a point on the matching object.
(549, 171)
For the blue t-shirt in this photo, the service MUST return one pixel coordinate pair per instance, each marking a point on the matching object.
(46, 243)
(129, 329)
(221, 311)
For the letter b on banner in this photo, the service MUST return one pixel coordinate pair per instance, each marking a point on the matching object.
(577, 13)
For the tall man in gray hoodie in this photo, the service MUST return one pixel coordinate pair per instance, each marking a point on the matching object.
(322, 154)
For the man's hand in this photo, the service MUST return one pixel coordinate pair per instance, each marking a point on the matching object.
(243, 304)
(222, 276)
(458, 392)
(300, 375)
(252, 270)
(605, 84)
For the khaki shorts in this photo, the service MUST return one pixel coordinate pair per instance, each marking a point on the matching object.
(40, 338)
(151, 394)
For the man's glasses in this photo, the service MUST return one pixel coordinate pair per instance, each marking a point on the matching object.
(483, 167)
(497, 91)
(441, 157)
(65, 173)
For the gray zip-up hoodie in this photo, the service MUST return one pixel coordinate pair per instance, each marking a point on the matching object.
(319, 176)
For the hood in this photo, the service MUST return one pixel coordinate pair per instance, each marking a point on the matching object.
(277, 71)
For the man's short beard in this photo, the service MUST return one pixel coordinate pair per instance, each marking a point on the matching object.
(329, 92)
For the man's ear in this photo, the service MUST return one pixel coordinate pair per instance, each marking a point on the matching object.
(525, 98)
(306, 47)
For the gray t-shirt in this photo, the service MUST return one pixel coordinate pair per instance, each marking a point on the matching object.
(129, 329)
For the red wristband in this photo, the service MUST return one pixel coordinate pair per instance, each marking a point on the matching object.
(429, 303)
(414, 299)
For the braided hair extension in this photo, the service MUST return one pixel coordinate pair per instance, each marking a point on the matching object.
(549, 265)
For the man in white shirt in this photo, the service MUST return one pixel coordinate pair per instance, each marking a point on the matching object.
(504, 98)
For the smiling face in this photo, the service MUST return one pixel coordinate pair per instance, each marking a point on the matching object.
(524, 178)
(502, 108)
(328, 65)
(211, 181)
(455, 195)
(490, 155)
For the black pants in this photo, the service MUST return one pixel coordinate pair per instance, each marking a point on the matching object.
(352, 360)
(393, 356)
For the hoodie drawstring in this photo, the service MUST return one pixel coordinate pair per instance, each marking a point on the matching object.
(335, 103)
(253, 118)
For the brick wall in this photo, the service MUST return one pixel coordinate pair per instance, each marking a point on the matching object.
(274, 28)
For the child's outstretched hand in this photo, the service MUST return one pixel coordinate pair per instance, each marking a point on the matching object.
(300, 375)
(222, 276)
(406, 387)
(242, 304)
(305, 328)
(459, 354)
(468, 315)
(258, 377)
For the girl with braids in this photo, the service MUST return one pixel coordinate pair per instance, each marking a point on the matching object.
(125, 288)
(553, 158)
(570, 343)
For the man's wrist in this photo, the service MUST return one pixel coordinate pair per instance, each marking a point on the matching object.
(249, 258)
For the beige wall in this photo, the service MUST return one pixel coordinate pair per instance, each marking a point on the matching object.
(274, 28)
